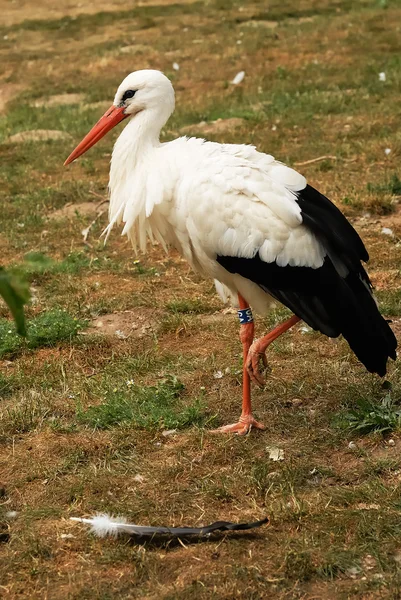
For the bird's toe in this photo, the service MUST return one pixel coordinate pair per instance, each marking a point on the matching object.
(242, 427)
(253, 368)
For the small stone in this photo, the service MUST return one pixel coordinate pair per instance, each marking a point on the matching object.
(391, 442)
(353, 572)
(296, 402)
(169, 432)
(275, 454)
(387, 151)
(176, 66)
(120, 334)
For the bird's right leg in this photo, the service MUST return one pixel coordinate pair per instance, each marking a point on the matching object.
(246, 420)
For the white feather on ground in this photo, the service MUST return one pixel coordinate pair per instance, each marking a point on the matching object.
(103, 525)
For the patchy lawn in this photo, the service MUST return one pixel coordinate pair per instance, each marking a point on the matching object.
(122, 348)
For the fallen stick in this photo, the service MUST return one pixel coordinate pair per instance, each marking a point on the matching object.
(85, 232)
(325, 157)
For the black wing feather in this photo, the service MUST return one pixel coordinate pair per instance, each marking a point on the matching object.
(335, 298)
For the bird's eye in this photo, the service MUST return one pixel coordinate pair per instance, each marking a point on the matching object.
(128, 94)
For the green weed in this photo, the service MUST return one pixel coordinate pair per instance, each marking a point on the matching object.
(373, 416)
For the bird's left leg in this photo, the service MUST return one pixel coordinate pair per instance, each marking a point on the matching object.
(246, 420)
(258, 348)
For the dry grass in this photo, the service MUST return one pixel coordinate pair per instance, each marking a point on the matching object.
(75, 431)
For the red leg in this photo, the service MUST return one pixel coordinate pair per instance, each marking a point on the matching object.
(246, 420)
(258, 348)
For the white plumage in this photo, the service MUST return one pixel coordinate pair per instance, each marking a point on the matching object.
(241, 218)
(204, 198)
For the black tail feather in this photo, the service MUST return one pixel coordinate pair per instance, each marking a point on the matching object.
(328, 303)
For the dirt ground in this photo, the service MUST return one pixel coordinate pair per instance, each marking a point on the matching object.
(131, 361)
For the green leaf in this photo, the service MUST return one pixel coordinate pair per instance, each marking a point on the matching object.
(15, 293)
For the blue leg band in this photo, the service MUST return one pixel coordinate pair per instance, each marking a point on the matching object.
(245, 315)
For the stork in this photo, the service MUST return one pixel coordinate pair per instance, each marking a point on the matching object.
(247, 221)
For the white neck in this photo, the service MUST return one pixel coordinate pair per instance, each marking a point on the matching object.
(128, 174)
(140, 136)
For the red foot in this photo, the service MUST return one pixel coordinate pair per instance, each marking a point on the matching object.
(243, 426)
(255, 355)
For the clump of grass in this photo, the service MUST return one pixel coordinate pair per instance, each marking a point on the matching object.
(150, 407)
(44, 330)
(26, 415)
(37, 265)
(141, 269)
(6, 386)
(336, 563)
(390, 302)
(196, 307)
(371, 416)
(383, 196)
(392, 186)
(298, 565)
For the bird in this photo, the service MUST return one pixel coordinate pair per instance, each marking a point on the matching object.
(247, 221)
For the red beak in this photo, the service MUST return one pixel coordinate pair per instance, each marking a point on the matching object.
(111, 117)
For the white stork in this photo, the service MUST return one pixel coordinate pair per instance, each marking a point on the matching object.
(244, 219)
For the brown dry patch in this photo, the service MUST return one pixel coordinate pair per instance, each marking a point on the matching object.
(71, 210)
(58, 100)
(384, 280)
(128, 324)
(8, 91)
(215, 127)
(16, 12)
(393, 221)
(38, 135)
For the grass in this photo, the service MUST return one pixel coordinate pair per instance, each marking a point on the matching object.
(82, 416)
(197, 307)
(151, 407)
(47, 329)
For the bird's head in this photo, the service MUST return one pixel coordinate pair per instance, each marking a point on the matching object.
(147, 90)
